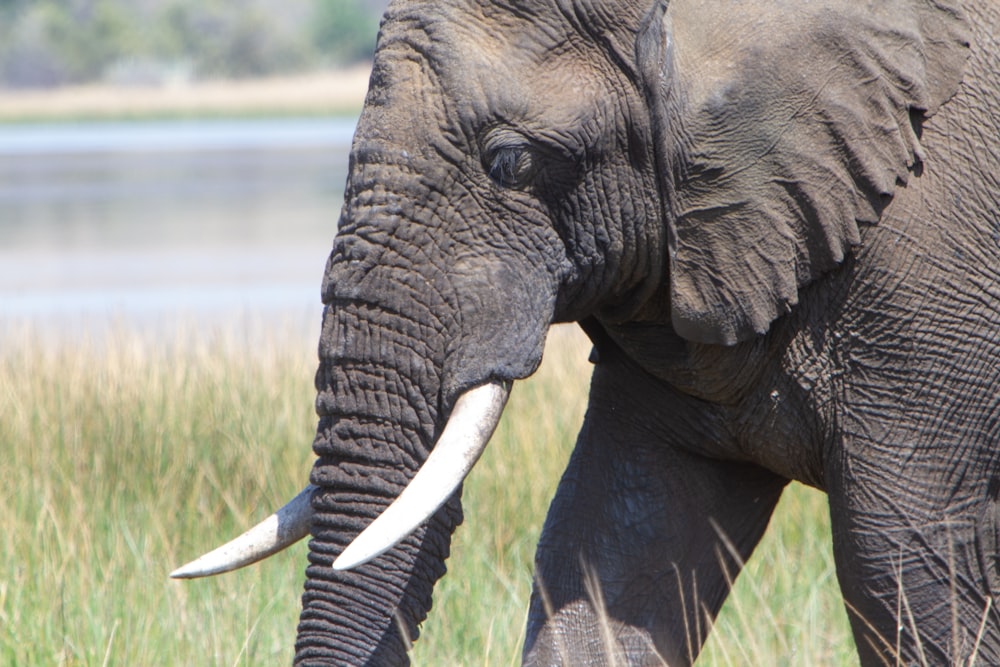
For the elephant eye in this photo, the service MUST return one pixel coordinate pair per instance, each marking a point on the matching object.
(511, 166)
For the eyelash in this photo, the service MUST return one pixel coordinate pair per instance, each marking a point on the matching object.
(504, 168)
(511, 166)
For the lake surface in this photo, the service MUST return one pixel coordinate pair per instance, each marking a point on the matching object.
(142, 223)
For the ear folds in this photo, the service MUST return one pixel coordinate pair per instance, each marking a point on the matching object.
(780, 126)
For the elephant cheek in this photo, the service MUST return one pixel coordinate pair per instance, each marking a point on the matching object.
(506, 308)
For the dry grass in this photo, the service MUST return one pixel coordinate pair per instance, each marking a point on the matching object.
(336, 92)
(124, 458)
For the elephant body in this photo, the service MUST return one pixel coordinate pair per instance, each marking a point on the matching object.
(779, 224)
(874, 376)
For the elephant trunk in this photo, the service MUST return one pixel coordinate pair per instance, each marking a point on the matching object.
(326, 637)
(378, 401)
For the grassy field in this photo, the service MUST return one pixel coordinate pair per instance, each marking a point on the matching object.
(124, 458)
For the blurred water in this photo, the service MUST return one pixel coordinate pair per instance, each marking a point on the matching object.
(144, 223)
(173, 136)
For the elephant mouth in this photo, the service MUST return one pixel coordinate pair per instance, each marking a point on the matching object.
(469, 428)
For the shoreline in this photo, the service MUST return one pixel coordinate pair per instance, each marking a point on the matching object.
(327, 93)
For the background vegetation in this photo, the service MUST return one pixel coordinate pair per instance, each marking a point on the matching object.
(124, 458)
(46, 43)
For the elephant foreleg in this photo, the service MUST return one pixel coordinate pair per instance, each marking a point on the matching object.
(918, 570)
(643, 538)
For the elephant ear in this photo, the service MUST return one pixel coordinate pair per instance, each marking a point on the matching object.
(780, 126)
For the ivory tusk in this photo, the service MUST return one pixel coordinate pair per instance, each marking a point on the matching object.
(469, 428)
(282, 529)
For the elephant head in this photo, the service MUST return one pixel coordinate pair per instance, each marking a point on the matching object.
(671, 174)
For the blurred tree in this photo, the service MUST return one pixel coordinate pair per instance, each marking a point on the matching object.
(49, 43)
(53, 42)
(345, 30)
(226, 40)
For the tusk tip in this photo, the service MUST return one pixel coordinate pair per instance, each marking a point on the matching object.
(343, 566)
(203, 567)
(192, 570)
(184, 572)
(349, 559)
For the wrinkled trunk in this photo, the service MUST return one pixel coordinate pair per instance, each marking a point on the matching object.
(411, 323)
(379, 390)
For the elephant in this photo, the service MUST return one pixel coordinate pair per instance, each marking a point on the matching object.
(778, 223)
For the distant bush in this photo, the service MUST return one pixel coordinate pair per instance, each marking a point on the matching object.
(344, 30)
(45, 45)
(54, 42)
(226, 39)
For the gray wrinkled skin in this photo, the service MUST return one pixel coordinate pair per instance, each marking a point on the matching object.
(777, 221)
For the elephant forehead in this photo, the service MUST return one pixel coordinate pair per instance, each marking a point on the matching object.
(541, 91)
(488, 62)
(547, 91)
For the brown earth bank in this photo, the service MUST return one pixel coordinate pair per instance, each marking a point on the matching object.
(320, 93)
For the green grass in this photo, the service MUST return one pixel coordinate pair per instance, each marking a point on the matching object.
(122, 459)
